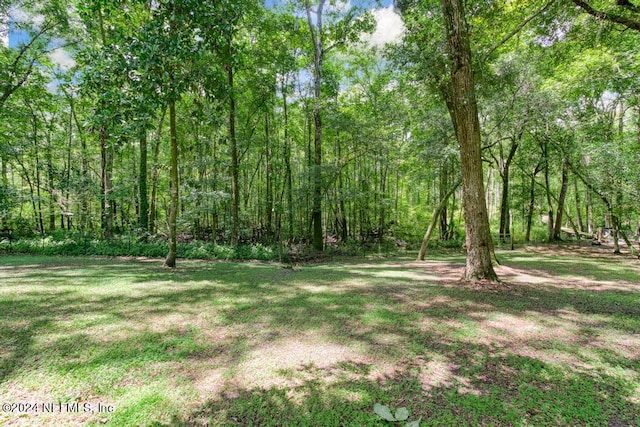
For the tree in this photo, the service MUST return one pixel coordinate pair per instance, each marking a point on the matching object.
(464, 115)
(343, 30)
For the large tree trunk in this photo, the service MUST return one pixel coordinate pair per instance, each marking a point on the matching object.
(465, 118)
(170, 261)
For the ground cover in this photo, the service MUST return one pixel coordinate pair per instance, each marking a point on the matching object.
(121, 341)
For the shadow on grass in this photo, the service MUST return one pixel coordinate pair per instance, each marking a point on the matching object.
(495, 390)
(457, 355)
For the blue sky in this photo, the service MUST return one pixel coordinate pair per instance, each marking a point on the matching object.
(389, 28)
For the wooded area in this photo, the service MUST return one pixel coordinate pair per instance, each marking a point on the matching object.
(288, 123)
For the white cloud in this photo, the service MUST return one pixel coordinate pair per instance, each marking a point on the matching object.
(21, 16)
(389, 27)
(4, 31)
(62, 59)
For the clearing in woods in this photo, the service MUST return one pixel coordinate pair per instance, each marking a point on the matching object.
(221, 343)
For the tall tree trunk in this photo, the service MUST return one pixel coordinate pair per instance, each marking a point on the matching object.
(505, 169)
(84, 171)
(342, 216)
(547, 186)
(38, 213)
(308, 197)
(268, 179)
(287, 162)
(383, 196)
(235, 190)
(615, 225)
(143, 213)
(5, 183)
(106, 213)
(170, 261)
(442, 192)
(532, 197)
(155, 173)
(50, 184)
(465, 119)
(68, 169)
(561, 199)
(318, 53)
(580, 221)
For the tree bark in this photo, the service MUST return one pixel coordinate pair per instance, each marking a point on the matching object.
(547, 186)
(143, 214)
(561, 199)
(268, 179)
(318, 53)
(106, 212)
(579, 219)
(443, 226)
(155, 173)
(235, 189)
(465, 118)
(50, 186)
(504, 167)
(170, 261)
(38, 212)
(434, 220)
(287, 162)
(532, 197)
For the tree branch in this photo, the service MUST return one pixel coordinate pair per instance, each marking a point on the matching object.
(517, 29)
(627, 22)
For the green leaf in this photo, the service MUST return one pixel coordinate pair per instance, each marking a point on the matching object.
(413, 423)
(402, 414)
(383, 412)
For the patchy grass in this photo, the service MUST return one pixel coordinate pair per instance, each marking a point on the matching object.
(216, 343)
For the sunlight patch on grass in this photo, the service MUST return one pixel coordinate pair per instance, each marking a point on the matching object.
(437, 372)
(262, 365)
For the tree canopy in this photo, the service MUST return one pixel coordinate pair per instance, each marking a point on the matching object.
(290, 123)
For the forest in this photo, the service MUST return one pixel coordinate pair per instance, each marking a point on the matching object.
(324, 213)
(211, 126)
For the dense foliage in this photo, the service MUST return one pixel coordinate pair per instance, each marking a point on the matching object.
(235, 122)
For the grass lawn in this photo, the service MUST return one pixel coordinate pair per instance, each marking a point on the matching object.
(220, 343)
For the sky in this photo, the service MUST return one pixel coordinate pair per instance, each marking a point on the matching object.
(389, 28)
(4, 31)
